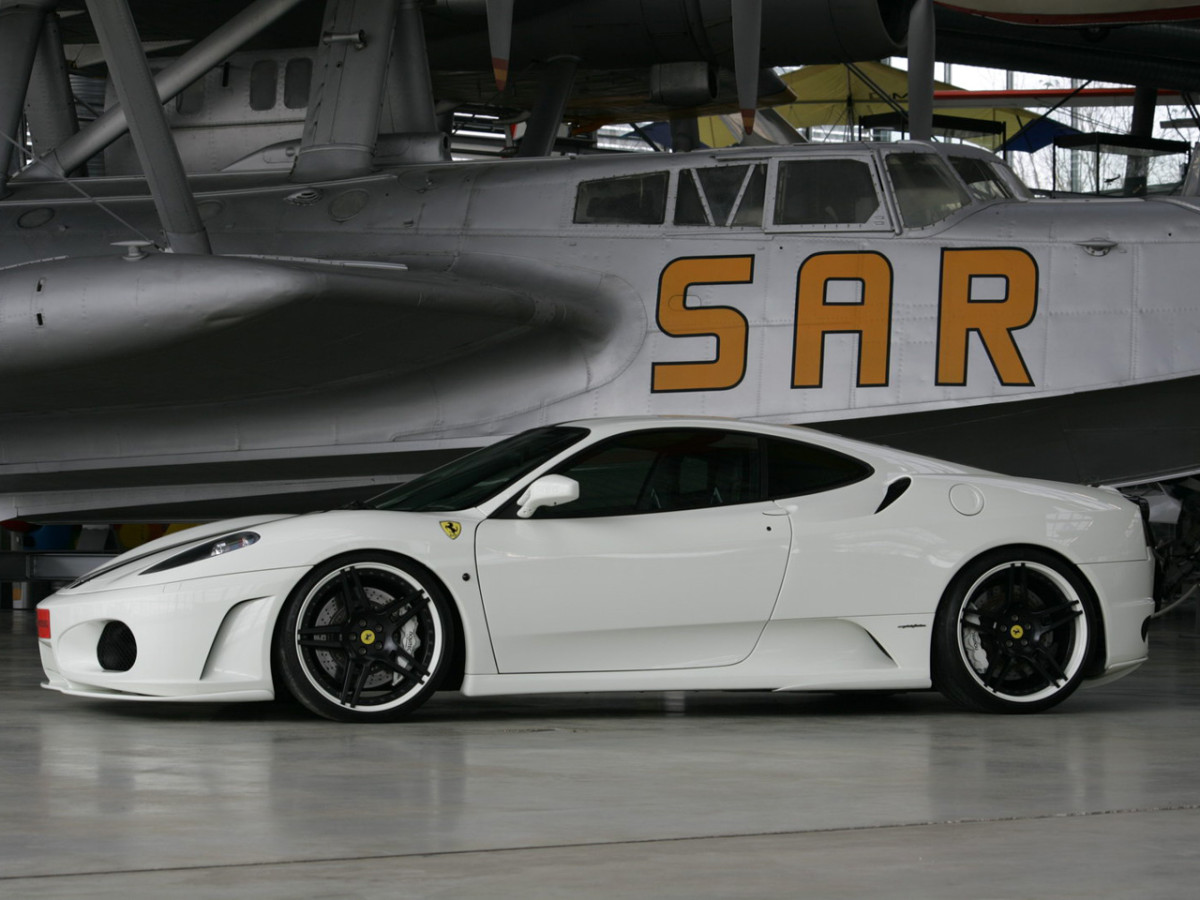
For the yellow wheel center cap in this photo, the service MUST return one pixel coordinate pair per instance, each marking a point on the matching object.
(367, 637)
(1017, 632)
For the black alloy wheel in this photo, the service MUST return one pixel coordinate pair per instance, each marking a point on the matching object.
(1014, 632)
(365, 637)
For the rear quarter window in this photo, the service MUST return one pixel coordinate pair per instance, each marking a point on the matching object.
(795, 468)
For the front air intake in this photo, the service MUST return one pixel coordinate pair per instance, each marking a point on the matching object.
(117, 649)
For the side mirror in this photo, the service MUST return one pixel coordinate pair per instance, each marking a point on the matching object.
(549, 490)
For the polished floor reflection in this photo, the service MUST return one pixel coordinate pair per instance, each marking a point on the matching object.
(647, 795)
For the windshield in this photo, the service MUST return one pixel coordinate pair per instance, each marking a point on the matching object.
(479, 476)
(925, 189)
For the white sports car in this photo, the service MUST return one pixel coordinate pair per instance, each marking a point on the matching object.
(630, 554)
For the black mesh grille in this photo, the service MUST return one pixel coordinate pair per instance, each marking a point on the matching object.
(117, 650)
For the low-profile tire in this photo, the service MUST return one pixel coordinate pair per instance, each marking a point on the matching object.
(1014, 632)
(365, 637)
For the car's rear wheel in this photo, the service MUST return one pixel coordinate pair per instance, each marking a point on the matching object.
(365, 637)
(1014, 632)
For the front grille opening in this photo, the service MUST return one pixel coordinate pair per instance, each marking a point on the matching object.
(117, 650)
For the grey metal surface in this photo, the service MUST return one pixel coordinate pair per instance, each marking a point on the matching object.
(48, 566)
(206, 54)
(177, 212)
(20, 29)
(650, 795)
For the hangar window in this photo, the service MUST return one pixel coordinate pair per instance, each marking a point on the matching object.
(629, 200)
(721, 195)
(297, 75)
(926, 191)
(263, 76)
(825, 192)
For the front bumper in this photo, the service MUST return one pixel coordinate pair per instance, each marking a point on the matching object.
(200, 639)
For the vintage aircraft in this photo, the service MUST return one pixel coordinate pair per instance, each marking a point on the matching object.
(349, 307)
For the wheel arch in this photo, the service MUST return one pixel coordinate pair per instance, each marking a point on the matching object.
(1094, 664)
(458, 658)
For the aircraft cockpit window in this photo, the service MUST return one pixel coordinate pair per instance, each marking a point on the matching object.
(825, 192)
(982, 180)
(926, 191)
(721, 195)
(629, 200)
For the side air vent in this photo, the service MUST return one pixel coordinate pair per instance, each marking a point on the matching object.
(894, 490)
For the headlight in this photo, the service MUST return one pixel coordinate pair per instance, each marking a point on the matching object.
(216, 547)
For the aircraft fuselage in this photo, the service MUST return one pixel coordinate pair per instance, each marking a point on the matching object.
(440, 306)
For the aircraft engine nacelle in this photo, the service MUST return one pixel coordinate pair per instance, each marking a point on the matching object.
(683, 83)
(602, 32)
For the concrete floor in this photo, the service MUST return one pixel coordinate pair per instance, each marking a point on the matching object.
(650, 795)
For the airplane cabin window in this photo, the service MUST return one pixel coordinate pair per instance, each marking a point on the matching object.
(690, 208)
(825, 192)
(721, 195)
(190, 100)
(628, 200)
(794, 469)
(263, 76)
(750, 206)
(982, 180)
(297, 76)
(926, 192)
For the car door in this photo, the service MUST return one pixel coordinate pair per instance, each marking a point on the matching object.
(670, 558)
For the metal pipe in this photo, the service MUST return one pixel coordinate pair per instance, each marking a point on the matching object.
(549, 108)
(49, 104)
(148, 126)
(20, 27)
(921, 57)
(410, 88)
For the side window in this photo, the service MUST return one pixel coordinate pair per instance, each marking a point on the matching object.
(794, 469)
(297, 76)
(721, 195)
(632, 200)
(263, 76)
(926, 192)
(191, 99)
(662, 471)
(982, 181)
(825, 192)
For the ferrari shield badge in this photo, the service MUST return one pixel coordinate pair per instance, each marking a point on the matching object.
(452, 529)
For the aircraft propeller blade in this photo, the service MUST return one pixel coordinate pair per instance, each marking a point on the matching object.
(747, 40)
(499, 21)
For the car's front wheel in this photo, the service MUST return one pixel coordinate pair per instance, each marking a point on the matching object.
(365, 637)
(1014, 632)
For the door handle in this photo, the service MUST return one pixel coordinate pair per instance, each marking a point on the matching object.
(1097, 246)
